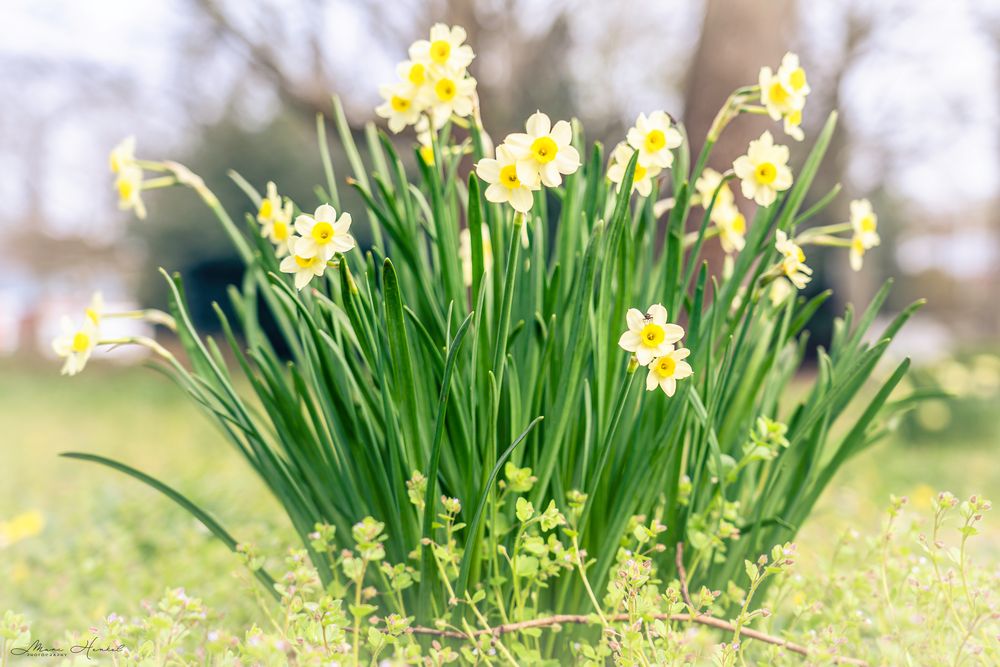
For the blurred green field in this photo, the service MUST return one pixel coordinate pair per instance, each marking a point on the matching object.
(108, 542)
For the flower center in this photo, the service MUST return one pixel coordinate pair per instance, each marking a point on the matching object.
(440, 50)
(794, 118)
(266, 209)
(93, 315)
(125, 189)
(766, 173)
(508, 177)
(797, 78)
(640, 173)
(739, 224)
(417, 74)
(322, 232)
(655, 140)
(544, 149)
(305, 262)
(280, 231)
(857, 245)
(665, 367)
(777, 93)
(399, 104)
(445, 90)
(652, 335)
(868, 224)
(81, 342)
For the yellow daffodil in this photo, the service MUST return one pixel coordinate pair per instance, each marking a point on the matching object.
(544, 151)
(506, 185)
(75, 344)
(666, 370)
(864, 222)
(649, 334)
(793, 262)
(706, 185)
(445, 49)
(465, 252)
(323, 234)
(764, 170)
(400, 107)
(304, 268)
(453, 93)
(122, 155)
(129, 186)
(642, 179)
(654, 137)
(732, 227)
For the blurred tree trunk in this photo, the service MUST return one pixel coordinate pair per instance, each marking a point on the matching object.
(737, 39)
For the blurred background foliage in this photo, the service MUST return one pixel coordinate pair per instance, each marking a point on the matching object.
(221, 84)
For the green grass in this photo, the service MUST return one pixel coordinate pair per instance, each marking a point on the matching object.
(110, 542)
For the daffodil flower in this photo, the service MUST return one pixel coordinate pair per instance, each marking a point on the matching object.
(706, 185)
(323, 234)
(642, 178)
(453, 93)
(864, 222)
(465, 252)
(793, 263)
(129, 186)
(793, 76)
(793, 123)
(400, 107)
(776, 96)
(304, 268)
(122, 155)
(275, 219)
(666, 370)
(544, 151)
(764, 170)
(654, 137)
(445, 49)
(649, 334)
(75, 344)
(505, 184)
(732, 227)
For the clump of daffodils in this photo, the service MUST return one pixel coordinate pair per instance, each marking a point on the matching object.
(651, 339)
(793, 260)
(730, 223)
(526, 161)
(434, 83)
(783, 94)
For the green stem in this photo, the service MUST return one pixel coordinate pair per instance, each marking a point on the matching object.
(510, 274)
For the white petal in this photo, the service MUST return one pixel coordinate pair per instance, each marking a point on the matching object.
(636, 319)
(669, 386)
(521, 199)
(645, 355)
(651, 381)
(304, 224)
(629, 341)
(562, 133)
(538, 124)
(488, 169)
(658, 313)
(673, 333)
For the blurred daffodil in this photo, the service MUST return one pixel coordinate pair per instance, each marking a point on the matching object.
(793, 262)
(129, 187)
(764, 170)
(654, 137)
(864, 223)
(642, 178)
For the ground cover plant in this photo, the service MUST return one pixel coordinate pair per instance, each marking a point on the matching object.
(458, 403)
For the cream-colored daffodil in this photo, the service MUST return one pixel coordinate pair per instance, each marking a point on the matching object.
(323, 234)
(732, 227)
(400, 107)
(642, 178)
(777, 98)
(275, 220)
(304, 268)
(666, 370)
(649, 334)
(75, 344)
(452, 93)
(654, 137)
(779, 290)
(864, 222)
(793, 76)
(465, 252)
(445, 49)
(506, 185)
(793, 262)
(793, 125)
(129, 186)
(95, 311)
(544, 151)
(764, 171)
(122, 155)
(706, 185)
